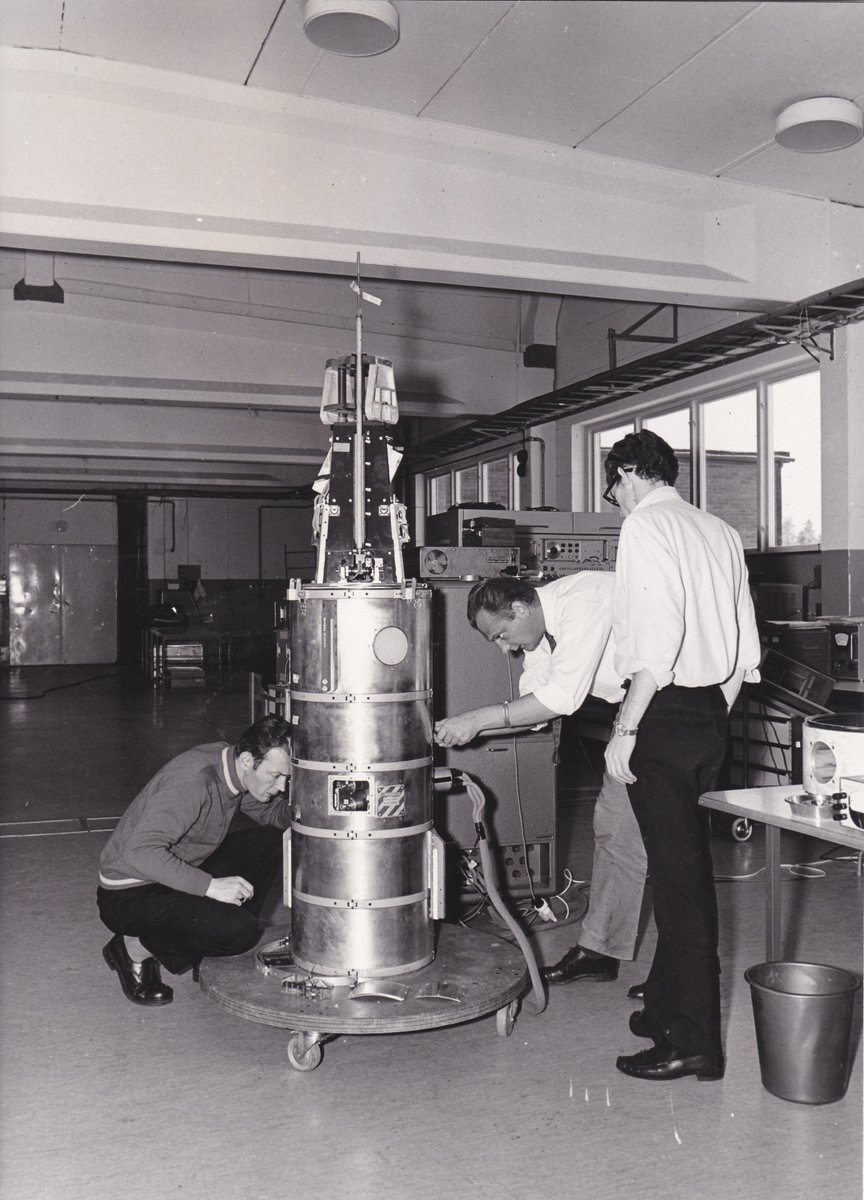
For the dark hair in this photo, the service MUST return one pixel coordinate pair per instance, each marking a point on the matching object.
(497, 595)
(646, 453)
(267, 734)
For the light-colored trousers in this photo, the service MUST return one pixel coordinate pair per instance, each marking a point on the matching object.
(611, 924)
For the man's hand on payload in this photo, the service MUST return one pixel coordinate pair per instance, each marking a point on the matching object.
(458, 730)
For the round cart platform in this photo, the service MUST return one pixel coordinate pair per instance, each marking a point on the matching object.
(472, 974)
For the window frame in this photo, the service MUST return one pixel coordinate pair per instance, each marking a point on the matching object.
(481, 462)
(759, 381)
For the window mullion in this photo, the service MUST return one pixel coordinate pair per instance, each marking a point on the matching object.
(766, 498)
(698, 484)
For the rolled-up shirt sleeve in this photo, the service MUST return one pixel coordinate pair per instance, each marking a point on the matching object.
(561, 680)
(750, 650)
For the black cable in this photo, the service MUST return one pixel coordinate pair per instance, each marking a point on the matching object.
(57, 688)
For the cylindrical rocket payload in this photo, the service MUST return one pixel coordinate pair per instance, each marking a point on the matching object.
(363, 864)
(361, 837)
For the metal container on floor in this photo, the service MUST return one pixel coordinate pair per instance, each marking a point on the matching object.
(361, 841)
(803, 1015)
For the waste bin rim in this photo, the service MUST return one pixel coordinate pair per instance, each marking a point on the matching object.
(852, 984)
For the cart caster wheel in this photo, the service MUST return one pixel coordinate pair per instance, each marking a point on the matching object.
(742, 830)
(304, 1056)
(505, 1019)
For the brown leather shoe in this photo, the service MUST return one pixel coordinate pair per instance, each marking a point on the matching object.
(141, 982)
(578, 964)
(668, 1062)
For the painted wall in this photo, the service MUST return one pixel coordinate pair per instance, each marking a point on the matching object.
(58, 520)
(221, 536)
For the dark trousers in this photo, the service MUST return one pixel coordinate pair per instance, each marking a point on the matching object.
(180, 929)
(677, 756)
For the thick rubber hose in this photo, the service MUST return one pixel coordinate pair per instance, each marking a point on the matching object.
(478, 802)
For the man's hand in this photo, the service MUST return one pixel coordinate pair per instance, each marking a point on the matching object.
(458, 730)
(230, 889)
(618, 753)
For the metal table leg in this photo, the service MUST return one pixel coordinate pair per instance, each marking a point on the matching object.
(773, 915)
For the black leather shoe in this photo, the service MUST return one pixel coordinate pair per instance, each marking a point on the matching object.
(141, 982)
(667, 1062)
(642, 1027)
(578, 964)
(637, 991)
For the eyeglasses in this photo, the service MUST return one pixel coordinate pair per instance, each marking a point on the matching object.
(608, 495)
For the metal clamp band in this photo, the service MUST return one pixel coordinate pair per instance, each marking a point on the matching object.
(353, 835)
(332, 902)
(354, 697)
(322, 592)
(344, 767)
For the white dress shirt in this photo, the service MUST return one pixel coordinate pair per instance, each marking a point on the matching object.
(577, 611)
(681, 606)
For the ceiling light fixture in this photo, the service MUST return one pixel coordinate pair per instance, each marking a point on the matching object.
(820, 124)
(356, 28)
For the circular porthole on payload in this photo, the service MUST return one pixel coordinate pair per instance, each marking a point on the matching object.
(390, 645)
(823, 762)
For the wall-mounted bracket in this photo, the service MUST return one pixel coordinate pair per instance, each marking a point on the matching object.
(803, 334)
(630, 335)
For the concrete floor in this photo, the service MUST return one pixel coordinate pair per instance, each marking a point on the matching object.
(102, 1098)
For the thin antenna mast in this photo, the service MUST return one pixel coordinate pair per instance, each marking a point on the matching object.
(359, 456)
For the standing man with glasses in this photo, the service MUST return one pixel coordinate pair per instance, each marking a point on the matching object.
(686, 638)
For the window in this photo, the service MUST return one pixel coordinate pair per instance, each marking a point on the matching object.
(467, 485)
(731, 466)
(440, 492)
(751, 456)
(796, 458)
(488, 481)
(496, 481)
(674, 428)
(604, 441)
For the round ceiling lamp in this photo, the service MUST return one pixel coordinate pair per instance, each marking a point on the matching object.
(819, 125)
(357, 28)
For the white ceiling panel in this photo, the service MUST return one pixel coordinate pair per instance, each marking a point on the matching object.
(287, 58)
(557, 72)
(695, 86)
(216, 38)
(722, 104)
(35, 25)
(435, 39)
(839, 175)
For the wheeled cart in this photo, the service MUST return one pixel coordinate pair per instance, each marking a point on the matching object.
(473, 974)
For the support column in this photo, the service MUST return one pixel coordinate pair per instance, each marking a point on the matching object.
(843, 475)
(132, 597)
